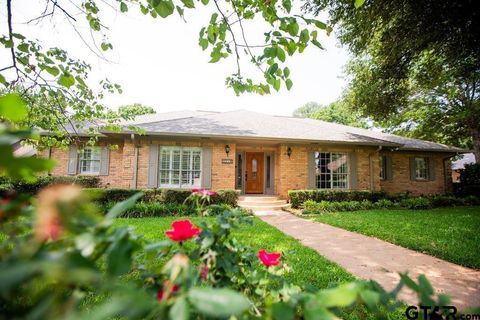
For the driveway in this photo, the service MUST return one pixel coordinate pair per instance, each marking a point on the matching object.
(371, 258)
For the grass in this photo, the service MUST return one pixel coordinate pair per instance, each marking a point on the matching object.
(300, 258)
(309, 268)
(448, 233)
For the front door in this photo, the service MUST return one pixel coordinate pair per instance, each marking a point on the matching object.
(254, 172)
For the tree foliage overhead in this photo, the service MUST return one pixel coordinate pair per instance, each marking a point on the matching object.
(59, 82)
(336, 112)
(416, 67)
(132, 110)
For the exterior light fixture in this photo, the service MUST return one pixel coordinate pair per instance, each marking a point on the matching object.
(289, 151)
(227, 149)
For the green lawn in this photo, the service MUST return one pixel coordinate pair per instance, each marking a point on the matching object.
(452, 234)
(308, 266)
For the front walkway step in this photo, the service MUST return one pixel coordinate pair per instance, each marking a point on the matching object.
(258, 198)
(371, 258)
(264, 207)
(255, 202)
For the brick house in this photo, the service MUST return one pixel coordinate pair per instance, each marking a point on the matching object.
(258, 154)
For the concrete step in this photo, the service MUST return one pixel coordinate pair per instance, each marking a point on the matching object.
(266, 207)
(262, 202)
(258, 198)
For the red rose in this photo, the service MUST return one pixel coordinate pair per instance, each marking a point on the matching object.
(182, 230)
(269, 259)
(161, 292)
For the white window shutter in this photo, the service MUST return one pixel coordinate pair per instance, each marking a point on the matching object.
(72, 165)
(207, 168)
(104, 161)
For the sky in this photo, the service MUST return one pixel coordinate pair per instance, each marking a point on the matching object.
(158, 61)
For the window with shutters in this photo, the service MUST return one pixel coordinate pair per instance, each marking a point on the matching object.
(422, 171)
(383, 167)
(331, 170)
(180, 167)
(90, 160)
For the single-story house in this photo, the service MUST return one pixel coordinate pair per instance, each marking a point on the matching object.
(257, 154)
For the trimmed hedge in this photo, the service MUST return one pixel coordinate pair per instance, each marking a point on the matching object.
(170, 196)
(298, 197)
(7, 184)
(156, 209)
(413, 203)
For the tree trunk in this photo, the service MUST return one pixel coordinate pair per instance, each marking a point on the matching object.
(476, 143)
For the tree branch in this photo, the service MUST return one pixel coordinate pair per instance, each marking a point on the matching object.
(233, 36)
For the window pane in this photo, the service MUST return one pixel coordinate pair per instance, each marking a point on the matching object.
(180, 167)
(331, 170)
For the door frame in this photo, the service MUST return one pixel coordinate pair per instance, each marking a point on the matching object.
(271, 189)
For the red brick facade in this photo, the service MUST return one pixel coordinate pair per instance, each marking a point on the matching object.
(126, 170)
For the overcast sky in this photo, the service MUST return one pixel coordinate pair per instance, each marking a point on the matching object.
(158, 62)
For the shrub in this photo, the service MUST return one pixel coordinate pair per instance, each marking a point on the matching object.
(383, 204)
(153, 209)
(176, 196)
(470, 180)
(43, 181)
(298, 197)
(416, 203)
(226, 196)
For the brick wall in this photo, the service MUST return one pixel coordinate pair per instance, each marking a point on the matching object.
(401, 182)
(289, 172)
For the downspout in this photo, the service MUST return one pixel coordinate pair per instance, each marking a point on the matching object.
(445, 178)
(49, 158)
(135, 162)
(370, 164)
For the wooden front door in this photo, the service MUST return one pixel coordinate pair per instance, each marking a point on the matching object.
(254, 172)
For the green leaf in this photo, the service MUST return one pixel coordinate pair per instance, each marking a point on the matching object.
(371, 298)
(66, 80)
(359, 3)
(320, 24)
(218, 303)
(119, 258)
(289, 84)
(203, 43)
(286, 72)
(282, 311)
(123, 7)
(2, 79)
(409, 282)
(341, 296)
(188, 3)
(105, 46)
(273, 68)
(293, 28)
(276, 84)
(52, 70)
(180, 310)
(281, 54)
(425, 285)
(123, 206)
(12, 107)
(165, 8)
(287, 4)
(205, 2)
(304, 36)
(23, 47)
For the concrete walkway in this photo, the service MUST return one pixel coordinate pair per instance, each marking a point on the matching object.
(371, 258)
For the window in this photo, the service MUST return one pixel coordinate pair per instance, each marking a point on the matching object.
(90, 160)
(422, 168)
(331, 170)
(239, 170)
(267, 185)
(383, 167)
(180, 167)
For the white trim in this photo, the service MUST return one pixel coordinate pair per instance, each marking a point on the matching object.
(93, 151)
